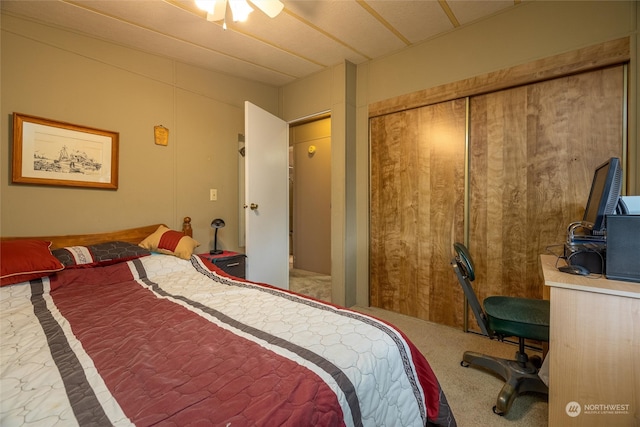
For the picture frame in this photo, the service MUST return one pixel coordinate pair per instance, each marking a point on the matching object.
(161, 135)
(49, 152)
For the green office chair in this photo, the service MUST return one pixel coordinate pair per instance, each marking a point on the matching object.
(503, 317)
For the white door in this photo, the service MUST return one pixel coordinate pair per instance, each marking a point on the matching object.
(266, 197)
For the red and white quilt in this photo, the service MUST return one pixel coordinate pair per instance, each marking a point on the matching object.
(161, 340)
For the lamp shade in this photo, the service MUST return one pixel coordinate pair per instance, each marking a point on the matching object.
(217, 223)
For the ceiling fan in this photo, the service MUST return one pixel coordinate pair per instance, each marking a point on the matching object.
(240, 9)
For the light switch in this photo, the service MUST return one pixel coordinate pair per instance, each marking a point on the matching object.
(213, 194)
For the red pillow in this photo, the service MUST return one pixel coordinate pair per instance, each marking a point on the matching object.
(23, 260)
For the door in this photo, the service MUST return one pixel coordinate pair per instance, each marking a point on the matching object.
(417, 200)
(533, 150)
(266, 197)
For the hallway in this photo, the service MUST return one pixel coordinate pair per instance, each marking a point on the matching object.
(309, 283)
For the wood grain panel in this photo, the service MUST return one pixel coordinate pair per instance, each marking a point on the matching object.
(389, 217)
(533, 150)
(498, 189)
(417, 186)
(533, 153)
(586, 59)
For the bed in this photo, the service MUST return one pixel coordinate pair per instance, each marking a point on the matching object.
(120, 334)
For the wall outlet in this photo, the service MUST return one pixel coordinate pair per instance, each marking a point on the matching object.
(213, 194)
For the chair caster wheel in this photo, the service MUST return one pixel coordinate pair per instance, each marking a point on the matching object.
(536, 361)
(464, 364)
(495, 411)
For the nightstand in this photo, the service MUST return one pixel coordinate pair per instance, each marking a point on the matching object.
(232, 263)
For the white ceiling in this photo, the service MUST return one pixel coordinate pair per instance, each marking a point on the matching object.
(307, 37)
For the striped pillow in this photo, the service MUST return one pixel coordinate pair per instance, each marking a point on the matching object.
(170, 242)
(99, 254)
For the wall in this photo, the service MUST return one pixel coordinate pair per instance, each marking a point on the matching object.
(311, 201)
(334, 90)
(62, 76)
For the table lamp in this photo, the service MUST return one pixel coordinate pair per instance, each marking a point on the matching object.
(217, 224)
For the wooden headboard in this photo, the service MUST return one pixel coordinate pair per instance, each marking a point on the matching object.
(131, 235)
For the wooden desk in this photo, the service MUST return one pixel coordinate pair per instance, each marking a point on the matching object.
(594, 349)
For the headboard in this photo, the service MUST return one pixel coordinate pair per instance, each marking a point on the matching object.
(131, 235)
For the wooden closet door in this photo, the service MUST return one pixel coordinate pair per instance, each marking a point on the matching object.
(533, 151)
(417, 191)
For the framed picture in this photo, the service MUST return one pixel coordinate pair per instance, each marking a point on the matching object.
(48, 152)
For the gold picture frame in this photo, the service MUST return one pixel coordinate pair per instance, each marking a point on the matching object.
(49, 152)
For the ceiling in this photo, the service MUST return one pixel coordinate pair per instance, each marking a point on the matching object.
(306, 37)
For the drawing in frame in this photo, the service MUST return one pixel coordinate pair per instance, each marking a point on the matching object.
(49, 152)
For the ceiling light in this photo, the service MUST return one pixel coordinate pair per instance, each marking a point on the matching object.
(206, 5)
(240, 9)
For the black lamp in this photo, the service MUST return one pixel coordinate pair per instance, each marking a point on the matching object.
(217, 224)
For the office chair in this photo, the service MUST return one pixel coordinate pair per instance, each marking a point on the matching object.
(503, 317)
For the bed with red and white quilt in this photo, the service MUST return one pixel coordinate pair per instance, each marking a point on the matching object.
(160, 340)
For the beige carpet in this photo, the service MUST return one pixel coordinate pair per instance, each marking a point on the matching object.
(311, 284)
(471, 392)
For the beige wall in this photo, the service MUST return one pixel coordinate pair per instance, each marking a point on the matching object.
(62, 76)
(530, 31)
(334, 90)
(311, 201)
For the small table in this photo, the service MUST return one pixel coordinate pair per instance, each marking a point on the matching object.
(232, 263)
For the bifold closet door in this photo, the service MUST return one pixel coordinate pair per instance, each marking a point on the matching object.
(533, 151)
(417, 204)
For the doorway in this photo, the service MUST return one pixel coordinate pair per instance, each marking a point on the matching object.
(310, 207)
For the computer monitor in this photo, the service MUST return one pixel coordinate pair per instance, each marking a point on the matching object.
(604, 195)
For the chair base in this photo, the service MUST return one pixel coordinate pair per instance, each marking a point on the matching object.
(519, 377)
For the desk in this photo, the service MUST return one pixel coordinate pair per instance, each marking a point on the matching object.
(594, 349)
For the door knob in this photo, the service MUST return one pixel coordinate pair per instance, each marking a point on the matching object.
(253, 206)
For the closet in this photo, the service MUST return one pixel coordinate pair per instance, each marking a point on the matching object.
(504, 170)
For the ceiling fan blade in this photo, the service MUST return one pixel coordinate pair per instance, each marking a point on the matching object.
(218, 11)
(271, 7)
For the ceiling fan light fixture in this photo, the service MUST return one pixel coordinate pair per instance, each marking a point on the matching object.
(240, 10)
(215, 8)
(206, 5)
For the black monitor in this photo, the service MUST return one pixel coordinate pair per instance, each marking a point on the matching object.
(604, 195)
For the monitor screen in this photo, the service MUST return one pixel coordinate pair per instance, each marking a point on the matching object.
(604, 195)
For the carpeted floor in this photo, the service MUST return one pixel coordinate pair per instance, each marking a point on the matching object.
(310, 284)
(471, 392)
